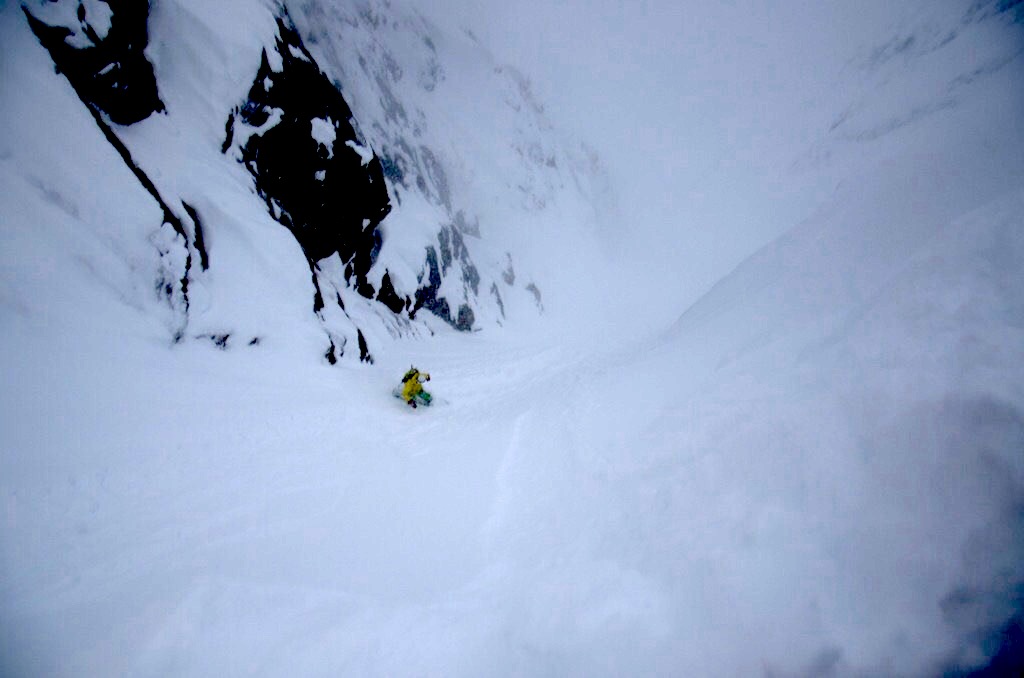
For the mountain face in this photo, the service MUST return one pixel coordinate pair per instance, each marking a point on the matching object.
(339, 149)
(100, 47)
(286, 134)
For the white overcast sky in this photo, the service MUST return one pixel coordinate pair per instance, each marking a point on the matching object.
(699, 109)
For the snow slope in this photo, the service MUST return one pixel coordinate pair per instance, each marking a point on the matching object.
(849, 506)
(815, 470)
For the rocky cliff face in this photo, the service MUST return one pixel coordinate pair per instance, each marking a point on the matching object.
(295, 135)
(353, 139)
(428, 100)
(100, 47)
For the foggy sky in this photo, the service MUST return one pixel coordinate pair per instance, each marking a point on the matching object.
(701, 111)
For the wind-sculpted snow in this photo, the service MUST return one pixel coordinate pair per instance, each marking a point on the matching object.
(838, 498)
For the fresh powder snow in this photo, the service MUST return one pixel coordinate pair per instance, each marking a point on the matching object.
(805, 461)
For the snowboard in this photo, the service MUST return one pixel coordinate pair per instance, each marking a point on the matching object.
(423, 399)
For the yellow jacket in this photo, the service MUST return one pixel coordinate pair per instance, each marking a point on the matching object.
(412, 384)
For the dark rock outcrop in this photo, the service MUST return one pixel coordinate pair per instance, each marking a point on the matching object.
(389, 297)
(112, 77)
(428, 295)
(106, 64)
(315, 174)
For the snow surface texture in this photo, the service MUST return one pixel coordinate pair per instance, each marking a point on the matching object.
(816, 470)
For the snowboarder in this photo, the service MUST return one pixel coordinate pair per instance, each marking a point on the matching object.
(412, 387)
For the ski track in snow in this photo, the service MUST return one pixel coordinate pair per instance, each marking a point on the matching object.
(252, 489)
